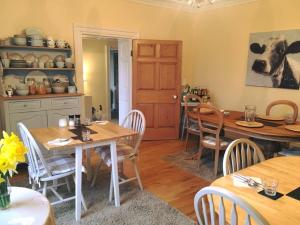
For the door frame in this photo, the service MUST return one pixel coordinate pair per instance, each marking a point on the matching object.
(83, 31)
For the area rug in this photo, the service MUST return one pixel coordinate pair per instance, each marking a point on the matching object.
(137, 207)
(203, 169)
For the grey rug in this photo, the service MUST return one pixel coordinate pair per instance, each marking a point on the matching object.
(204, 169)
(137, 207)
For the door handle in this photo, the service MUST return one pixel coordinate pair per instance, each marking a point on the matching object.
(175, 97)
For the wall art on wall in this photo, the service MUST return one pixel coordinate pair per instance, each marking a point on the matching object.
(274, 59)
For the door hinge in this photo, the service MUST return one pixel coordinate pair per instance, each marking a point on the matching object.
(131, 53)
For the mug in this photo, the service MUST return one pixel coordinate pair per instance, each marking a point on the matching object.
(72, 89)
(41, 65)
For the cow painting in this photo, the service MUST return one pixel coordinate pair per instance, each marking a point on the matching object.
(274, 59)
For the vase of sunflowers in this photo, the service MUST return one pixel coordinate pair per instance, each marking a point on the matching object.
(12, 151)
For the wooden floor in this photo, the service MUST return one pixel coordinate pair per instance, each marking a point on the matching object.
(165, 180)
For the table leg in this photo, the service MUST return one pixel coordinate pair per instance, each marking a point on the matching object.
(115, 175)
(78, 174)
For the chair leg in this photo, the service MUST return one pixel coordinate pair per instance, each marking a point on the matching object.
(45, 189)
(68, 184)
(137, 173)
(96, 171)
(217, 151)
(88, 164)
(111, 189)
(201, 149)
(186, 140)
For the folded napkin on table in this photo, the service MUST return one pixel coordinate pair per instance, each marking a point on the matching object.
(60, 141)
(239, 183)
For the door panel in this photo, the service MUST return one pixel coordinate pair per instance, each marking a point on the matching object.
(156, 86)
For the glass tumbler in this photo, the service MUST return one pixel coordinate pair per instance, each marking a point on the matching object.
(86, 135)
(270, 186)
(250, 112)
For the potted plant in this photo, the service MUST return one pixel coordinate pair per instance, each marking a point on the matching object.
(12, 151)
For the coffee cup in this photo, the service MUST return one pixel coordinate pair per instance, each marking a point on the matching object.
(72, 89)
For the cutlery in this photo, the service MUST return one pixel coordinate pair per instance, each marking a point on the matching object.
(249, 181)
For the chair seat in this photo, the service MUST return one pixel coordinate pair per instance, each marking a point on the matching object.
(210, 141)
(290, 152)
(123, 152)
(58, 164)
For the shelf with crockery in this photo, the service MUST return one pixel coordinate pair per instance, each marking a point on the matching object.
(22, 47)
(31, 68)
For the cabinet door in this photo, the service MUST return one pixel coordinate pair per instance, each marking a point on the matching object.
(55, 115)
(30, 119)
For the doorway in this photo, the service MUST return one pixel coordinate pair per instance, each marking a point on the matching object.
(124, 92)
(100, 76)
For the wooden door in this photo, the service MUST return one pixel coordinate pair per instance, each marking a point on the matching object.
(156, 86)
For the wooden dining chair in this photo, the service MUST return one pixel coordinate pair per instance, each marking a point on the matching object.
(284, 102)
(127, 149)
(208, 199)
(190, 124)
(49, 169)
(240, 154)
(210, 135)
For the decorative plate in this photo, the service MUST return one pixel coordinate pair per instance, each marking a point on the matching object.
(295, 127)
(60, 78)
(59, 58)
(273, 118)
(15, 56)
(12, 80)
(206, 111)
(30, 57)
(249, 124)
(38, 76)
(44, 58)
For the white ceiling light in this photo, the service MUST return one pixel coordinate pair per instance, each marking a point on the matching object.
(199, 3)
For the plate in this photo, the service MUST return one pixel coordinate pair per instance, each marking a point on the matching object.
(12, 80)
(293, 127)
(273, 118)
(38, 76)
(44, 58)
(206, 111)
(59, 58)
(15, 56)
(30, 57)
(249, 124)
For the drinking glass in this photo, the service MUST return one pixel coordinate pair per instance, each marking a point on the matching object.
(250, 112)
(288, 119)
(86, 135)
(270, 186)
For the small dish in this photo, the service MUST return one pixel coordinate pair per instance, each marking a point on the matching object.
(249, 124)
(295, 127)
(272, 118)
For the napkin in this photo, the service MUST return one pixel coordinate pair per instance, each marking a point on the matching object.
(101, 122)
(60, 141)
(239, 183)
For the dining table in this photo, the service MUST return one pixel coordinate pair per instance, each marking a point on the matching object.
(284, 210)
(270, 131)
(101, 134)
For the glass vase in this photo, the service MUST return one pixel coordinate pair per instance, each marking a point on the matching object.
(4, 192)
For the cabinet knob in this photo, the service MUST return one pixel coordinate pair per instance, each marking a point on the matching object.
(25, 105)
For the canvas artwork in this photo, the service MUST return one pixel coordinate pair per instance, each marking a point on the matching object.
(274, 59)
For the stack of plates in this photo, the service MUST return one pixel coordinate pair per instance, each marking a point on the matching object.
(18, 63)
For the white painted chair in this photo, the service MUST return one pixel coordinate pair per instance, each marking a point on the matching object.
(205, 203)
(240, 154)
(47, 169)
(127, 148)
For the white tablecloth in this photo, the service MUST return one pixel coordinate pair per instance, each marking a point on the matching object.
(28, 207)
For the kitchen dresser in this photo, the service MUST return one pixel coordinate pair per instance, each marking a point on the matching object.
(37, 111)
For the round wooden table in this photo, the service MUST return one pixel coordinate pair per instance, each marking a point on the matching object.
(27, 207)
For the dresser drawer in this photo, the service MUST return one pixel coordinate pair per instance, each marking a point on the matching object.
(62, 102)
(24, 105)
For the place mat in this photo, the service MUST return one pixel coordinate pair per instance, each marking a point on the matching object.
(293, 127)
(277, 196)
(295, 194)
(78, 130)
(249, 124)
(272, 118)
(206, 111)
(264, 122)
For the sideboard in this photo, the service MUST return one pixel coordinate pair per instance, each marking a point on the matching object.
(37, 110)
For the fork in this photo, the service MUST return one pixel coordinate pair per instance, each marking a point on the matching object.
(249, 181)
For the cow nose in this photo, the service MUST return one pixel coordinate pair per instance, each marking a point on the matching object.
(259, 66)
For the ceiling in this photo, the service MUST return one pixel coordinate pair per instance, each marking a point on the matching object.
(183, 4)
